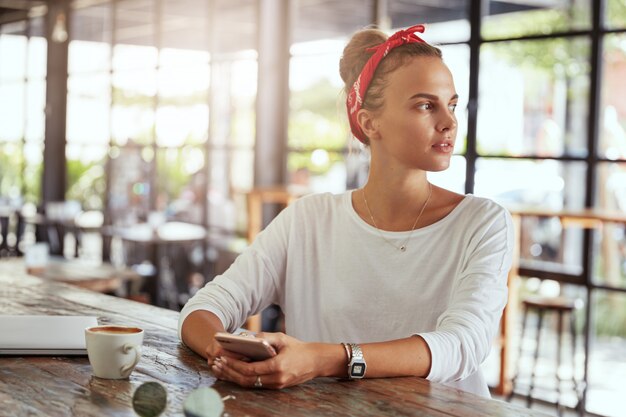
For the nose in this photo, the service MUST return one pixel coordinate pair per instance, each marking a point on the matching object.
(447, 121)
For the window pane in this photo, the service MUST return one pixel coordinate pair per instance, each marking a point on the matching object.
(615, 16)
(132, 115)
(610, 239)
(129, 184)
(457, 59)
(85, 175)
(318, 171)
(179, 183)
(90, 38)
(533, 98)
(35, 105)
(514, 19)
(182, 116)
(11, 112)
(13, 57)
(613, 122)
(37, 58)
(452, 178)
(88, 105)
(242, 170)
(233, 101)
(549, 185)
(317, 117)
(607, 367)
(11, 160)
(445, 21)
(243, 87)
(33, 168)
(337, 20)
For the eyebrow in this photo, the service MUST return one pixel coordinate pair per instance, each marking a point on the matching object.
(430, 96)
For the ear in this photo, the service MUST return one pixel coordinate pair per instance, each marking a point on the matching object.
(368, 123)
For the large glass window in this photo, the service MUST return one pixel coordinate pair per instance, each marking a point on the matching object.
(517, 19)
(22, 120)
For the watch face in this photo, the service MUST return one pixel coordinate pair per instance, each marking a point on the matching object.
(358, 370)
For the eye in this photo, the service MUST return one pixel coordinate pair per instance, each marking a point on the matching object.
(452, 107)
(425, 106)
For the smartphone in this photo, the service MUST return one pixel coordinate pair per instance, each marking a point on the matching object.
(251, 347)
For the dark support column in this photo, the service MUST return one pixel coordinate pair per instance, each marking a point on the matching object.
(471, 153)
(53, 183)
(272, 105)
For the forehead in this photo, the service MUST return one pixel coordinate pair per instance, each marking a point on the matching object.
(422, 75)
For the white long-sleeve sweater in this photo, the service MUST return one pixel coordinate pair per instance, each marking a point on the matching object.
(337, 280)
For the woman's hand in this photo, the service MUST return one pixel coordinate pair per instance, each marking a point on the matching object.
(215, 350)
(295, 363)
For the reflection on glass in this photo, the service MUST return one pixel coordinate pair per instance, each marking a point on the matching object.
(613, 117)
(607, 364)
(610, 240)
(533, 98)
(512, 19)
(547, 184)
(615, 14)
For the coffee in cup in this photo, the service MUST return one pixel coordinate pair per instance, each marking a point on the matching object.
(113, 350)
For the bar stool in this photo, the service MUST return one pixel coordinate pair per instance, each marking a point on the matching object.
(543, 305)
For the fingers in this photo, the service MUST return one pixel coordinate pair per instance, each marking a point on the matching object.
(223, 369)
(275, 339)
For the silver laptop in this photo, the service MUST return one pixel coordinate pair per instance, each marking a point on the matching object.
(44, 335)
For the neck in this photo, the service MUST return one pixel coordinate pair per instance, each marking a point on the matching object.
(394, 205)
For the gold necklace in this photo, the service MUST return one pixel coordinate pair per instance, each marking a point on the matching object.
(401, 248)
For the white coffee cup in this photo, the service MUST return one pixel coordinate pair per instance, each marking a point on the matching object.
(113, 350)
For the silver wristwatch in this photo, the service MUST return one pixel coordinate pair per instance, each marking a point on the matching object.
(356, 366)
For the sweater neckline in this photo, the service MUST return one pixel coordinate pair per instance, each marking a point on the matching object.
(439, 223)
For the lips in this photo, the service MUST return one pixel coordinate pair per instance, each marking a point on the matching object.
(444, 146)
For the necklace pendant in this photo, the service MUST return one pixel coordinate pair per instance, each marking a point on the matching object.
(402, 248)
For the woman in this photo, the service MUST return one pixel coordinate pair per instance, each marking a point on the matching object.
(398, 278)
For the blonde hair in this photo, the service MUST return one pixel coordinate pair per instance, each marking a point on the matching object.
(355, 56)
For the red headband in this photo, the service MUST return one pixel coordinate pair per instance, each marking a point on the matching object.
(362, 83)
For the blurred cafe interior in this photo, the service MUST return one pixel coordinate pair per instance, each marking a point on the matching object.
(143, 145)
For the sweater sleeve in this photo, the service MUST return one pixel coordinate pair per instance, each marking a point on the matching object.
(252, 281)
(464, 332)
